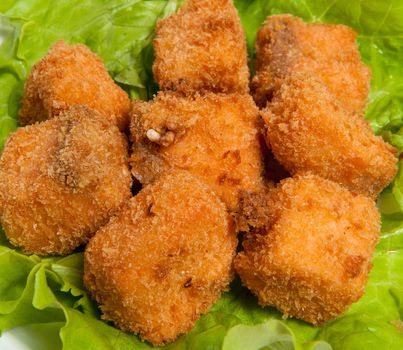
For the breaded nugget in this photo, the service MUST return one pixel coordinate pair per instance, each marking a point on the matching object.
(61, 179)
(215, 137)
(164, 260)
(202, 48)
(311, 257)
(286, 45)
(70, 75)
(309, 131)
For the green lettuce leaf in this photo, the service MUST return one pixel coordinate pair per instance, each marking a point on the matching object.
(39, 336)
(119, 31)
(49, 292)
(273, 335)
(47, 295)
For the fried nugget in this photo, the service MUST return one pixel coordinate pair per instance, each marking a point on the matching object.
(215, 137)
(308, 130)
(70, 75)
(61, 179)
(202, 48)
(312, 255)
(164, 260)
(286, 45)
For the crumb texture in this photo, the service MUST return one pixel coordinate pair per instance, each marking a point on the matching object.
(70, 75)
(215, 137)
(164, 260)
(202, 48)
(310, 253)
(61, 179)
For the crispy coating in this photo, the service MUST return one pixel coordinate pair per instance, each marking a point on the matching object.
(202, 48)
(252, 213)
(61, 179)
(311, 255)
(70, 75)
(309, 131)
(164, 260)
(286, 45)
(215, 137)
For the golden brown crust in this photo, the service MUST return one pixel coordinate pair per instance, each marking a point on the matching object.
(308, 130)
(164, 260)
(202, 48)
(61, 179)
(253, 213)
(70, 75)
(215, 137)
(286, 45)
(311, 257)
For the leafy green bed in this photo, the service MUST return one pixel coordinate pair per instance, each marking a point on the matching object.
(47, 294)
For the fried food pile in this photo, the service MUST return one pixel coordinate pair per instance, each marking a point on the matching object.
(296, 180)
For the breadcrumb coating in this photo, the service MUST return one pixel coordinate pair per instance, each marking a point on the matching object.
(310, 254)
(61, 179)
(308, 130)
(286, 45)
(69, 75)
(202, 48)
(215, 137)
(252, 213)
(164, 260)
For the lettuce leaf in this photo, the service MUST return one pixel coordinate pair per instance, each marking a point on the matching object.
(46, 295)
(272, 334)
(119, 31)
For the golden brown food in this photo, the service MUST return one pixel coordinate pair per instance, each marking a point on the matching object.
(252, 213)
(286, 45)
(70, 75)
(164, 260)
(202, 48)
(310, 258)
(308, 131)
(215, 137)
(61, 179)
